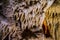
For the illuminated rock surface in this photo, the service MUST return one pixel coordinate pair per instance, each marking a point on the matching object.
(23, 19)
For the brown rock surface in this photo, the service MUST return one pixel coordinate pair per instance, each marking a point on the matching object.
(23, 19)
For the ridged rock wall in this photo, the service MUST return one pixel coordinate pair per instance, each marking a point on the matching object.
(53, 20)
(23, 19)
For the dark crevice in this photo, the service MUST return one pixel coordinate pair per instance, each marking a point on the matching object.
(28, 34)
(3, 15)
(20, 23)
(47, 34)
(7, 37)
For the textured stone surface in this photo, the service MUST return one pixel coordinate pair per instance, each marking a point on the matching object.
(53, 20)
(23, 19)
